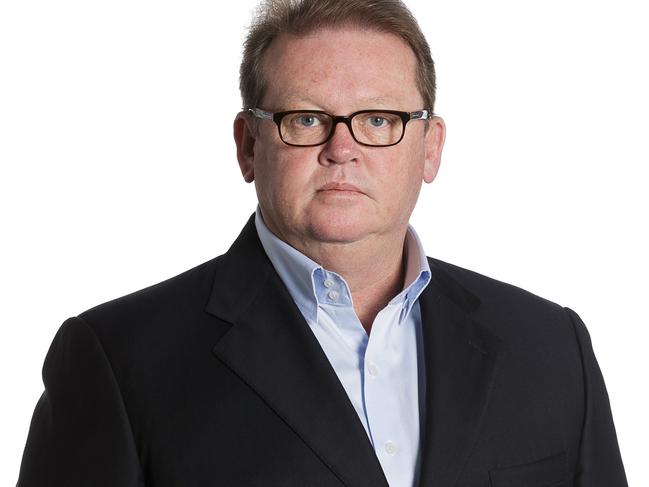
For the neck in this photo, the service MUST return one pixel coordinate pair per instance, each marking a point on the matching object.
(372, 286)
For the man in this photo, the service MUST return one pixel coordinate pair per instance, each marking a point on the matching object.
(324, 348)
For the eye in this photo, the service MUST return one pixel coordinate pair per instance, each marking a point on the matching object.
(305, 120)
(377, 121)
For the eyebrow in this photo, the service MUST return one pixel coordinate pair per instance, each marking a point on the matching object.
(297, 102)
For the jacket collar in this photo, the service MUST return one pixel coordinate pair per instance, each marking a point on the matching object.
(461, 358)
(271, 348)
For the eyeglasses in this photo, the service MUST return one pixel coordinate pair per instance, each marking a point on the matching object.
(376, 128)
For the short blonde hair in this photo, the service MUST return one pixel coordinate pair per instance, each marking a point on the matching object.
(301, 17)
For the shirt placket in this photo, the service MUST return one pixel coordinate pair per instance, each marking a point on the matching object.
(383, 393)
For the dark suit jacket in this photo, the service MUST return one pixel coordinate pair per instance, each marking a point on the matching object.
(213, 378)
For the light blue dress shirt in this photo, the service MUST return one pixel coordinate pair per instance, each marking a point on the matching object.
(383, 373)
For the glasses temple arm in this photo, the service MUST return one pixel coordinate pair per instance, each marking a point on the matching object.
(259, 113)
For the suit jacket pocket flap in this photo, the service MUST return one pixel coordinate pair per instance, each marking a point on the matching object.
(547, 472)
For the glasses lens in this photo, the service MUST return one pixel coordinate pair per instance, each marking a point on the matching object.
(305, 128)
(377, 128)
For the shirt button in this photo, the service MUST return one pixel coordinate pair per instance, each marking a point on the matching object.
(373, 370)
(390, 448)
(333, 295)
(328, 283)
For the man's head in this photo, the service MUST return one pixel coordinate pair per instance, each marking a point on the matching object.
(338, 57)
(299, 18)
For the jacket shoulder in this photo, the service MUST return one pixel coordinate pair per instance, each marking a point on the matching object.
(155, 307)
(508, 310)
(484, 290)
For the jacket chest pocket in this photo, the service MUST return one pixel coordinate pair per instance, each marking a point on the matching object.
(547, 472)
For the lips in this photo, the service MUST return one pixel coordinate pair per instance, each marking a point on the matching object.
(340, 187)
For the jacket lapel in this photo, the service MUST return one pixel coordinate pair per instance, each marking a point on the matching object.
(460, 359)
(272, 349)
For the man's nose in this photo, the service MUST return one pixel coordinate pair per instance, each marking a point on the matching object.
(341, 147)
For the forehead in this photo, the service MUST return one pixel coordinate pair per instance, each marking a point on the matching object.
(340, 69)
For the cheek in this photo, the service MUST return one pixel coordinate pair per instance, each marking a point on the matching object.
(282, 179)
(403, 173)
(401, 183)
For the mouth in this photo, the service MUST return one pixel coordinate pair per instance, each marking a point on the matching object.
(341, 188)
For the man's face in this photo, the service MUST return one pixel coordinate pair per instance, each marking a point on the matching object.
(341, 191)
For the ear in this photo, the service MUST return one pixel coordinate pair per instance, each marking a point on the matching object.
(244, 136)
(434, 140)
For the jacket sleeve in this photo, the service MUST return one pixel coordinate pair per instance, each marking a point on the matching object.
(80, 434)
(599, 460)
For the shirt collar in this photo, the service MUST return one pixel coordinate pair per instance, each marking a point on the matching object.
(310, 285)
(417, 275)
(294, 268)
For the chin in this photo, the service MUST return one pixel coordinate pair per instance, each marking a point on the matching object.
(338, 228)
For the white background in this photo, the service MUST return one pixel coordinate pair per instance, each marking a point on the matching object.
(118, 168)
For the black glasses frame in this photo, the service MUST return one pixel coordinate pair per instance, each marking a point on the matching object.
(277, 117)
